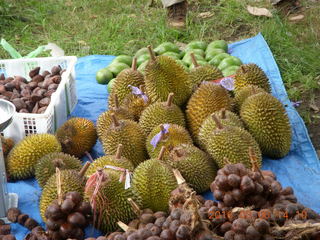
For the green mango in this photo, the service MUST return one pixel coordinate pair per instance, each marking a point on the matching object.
(141, 51)
(229, 61)
(166, 47)
(218, 44)
(103, 76)
(195, 51)
(197, 45)
(200, 62)
(183, 64)
(230, 70)
(142, 58)
(212, 53)
(110, 84)
(172, 54)
(142, 66)
(117, 67)
(215, 61)
(188, 60)
(123, 59)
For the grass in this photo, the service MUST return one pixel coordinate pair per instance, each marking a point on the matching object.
(84, 27)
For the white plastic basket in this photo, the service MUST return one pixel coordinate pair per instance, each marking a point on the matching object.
(62, 101)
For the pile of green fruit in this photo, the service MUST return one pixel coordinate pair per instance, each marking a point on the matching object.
(214, 53)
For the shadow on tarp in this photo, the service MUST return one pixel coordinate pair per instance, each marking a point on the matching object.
(300, 169)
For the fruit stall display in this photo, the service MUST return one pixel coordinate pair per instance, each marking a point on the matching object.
(173, 131)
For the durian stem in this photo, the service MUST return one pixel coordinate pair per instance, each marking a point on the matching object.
(254, 161)
(123, 226)
(116, 101)
(253, 89)
(226, 160)
(89, 156)
(134, 64)
(176, 151)
(84, 169)
(178, 176)
(135, 207)
(169, 99)
(152, 56)
(194, 60)
(243, 69)
(119, 151)
(163, 149)
(223, 113)
(217, 122)
(58, 162)
(115, 120)
(58, 181)
(142, 88)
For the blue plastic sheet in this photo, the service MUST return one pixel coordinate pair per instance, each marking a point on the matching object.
(300, 169)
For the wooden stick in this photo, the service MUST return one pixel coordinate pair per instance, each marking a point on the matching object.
(115, 120)
(119, 151)
(169, 99)
(84, 169)
(194, 60)
(163, 149)
(152, 56)
(134, 64)
(217, 122)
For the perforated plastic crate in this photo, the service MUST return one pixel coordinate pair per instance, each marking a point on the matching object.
(62, 102)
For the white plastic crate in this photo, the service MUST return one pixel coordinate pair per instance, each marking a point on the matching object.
(62, 101)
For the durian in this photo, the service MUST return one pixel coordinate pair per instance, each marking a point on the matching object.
(104, 121)
(164, 75)
(77, 136)
(203, 73)
(168, 135)
(24, 156)
(47, 165)
(231, 143)
(196, 166)
(251, 74)
(130, 135)
(208, 98)
(267, 121)
(226, 118)
(7, 145)
(120, 87)
(153, 181)
(242, 94)
(161, 112)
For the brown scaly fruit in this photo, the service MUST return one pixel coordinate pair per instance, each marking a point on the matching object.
(159, 113)
(203, 73)
(251, 74)
(130, 135)
(104, 121)
(129, 76)
(164, 75)
(77, 136)
(242, 94)
(207, 99)
(7, 145)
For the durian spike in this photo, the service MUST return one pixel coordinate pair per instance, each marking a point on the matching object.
(151, 52)
(115, 120)
(116, 101)
(119, 151)
(135, 207)
(178, 176)
(169, 99)
(123, 226)
(194, 60)
(223, 113)
(217, 122)
(162, 151)
(226, 160)
(254, 161)
(134, 64)
(84, 169)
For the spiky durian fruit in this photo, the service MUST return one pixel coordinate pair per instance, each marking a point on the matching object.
(163, 75)
(203, 73)
(130, 135)
(77, 136)
(196, 166)
(161, 112)
(109, 161)
(243, 93)
(168, 135)
(208, 98)
(24, 156)
(153, 181)
(47, 165)
(121, 85)
(7, 145)
(226, 118)
(104, 121)
(266, 119)
(251, 74)
(231, 143)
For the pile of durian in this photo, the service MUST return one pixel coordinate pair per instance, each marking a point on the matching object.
(164, 120)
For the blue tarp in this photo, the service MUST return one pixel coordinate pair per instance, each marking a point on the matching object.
(300, 169)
